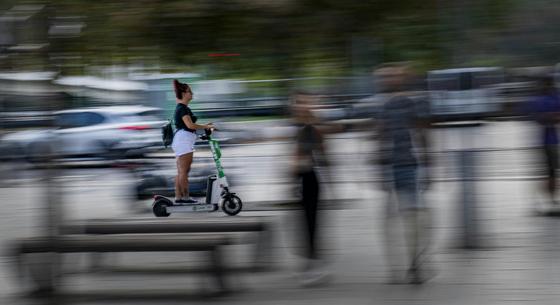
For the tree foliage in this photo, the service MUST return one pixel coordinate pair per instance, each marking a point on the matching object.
(280, 38)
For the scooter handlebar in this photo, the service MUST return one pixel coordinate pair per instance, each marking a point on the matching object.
(207, 133)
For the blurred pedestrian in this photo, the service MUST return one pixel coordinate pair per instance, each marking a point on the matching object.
(403, 155)
(309, 156)
(544, 108)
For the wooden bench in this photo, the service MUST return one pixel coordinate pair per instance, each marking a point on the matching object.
(152, 225)
(112, 243)
(259, 225)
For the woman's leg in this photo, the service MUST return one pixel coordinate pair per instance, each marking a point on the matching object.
(310, 192)
(551, 155)
(184, 166)
(178, 189)
(188, 162)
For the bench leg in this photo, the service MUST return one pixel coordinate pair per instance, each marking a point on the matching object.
(96, 261)
(263, 251)
(45, 271)
(218, 269)
(18, 266)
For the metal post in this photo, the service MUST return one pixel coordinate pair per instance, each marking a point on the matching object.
(468, 198)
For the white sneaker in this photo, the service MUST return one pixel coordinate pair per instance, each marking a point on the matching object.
(186, 201)
(196, 201)
(314, 278)
(317, 274)
(396, 278)
(420, 274)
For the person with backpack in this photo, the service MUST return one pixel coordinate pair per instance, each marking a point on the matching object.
(184, 140)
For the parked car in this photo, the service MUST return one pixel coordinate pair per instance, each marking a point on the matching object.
(107, 132)
(465, 93)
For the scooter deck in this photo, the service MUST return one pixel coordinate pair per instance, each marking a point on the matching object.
(192, 208)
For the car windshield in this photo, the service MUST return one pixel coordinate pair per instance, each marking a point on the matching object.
(135, 118)
(78, 119)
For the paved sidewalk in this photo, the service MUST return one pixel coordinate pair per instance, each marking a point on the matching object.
(519, 264)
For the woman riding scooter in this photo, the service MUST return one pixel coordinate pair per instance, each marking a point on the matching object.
(184, 140)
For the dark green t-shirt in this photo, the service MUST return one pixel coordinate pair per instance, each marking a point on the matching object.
(180, 111)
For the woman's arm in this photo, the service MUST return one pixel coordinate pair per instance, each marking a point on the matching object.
(187, 120)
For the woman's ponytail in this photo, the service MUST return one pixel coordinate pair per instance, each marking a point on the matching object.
(180, 88)
(177, 87)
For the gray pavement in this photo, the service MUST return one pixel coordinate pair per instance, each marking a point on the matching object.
(518, 263)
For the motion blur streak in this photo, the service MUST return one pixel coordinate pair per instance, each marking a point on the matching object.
(385, 152)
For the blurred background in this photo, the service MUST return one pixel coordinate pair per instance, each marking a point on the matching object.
(85, 87)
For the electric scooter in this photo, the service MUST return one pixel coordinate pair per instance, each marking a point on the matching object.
(217, 192)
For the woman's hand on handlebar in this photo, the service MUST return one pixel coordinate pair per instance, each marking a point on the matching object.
(210, 126)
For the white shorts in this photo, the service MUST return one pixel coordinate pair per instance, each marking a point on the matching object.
(183, 142)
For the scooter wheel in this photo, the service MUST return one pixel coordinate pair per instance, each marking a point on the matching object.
(159, 208)
(232, 205)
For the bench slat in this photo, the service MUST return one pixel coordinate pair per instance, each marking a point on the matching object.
(161, 227)
(120, 243)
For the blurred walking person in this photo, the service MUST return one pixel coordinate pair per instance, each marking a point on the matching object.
(402, 124)
(544, 108)
(308, 157)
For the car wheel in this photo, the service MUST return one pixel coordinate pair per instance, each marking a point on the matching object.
(38, 152)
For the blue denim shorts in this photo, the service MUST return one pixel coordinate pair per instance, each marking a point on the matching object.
(405, 179)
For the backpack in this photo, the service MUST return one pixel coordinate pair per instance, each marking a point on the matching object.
(167, 133)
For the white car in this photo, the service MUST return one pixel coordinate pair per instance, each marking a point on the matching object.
(99, 132)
